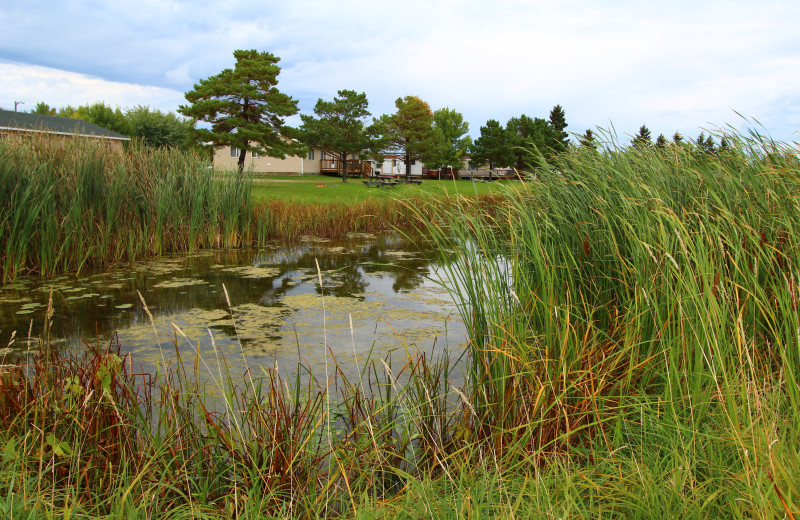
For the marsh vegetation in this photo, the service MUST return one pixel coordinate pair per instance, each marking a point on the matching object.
(634, 349)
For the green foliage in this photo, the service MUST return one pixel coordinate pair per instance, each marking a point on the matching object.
(66, 204)
(100, 114)
(558, 121)
(642, 139)
(453, 139)
(43, 109)
(244, 108)
(158, 129)
(494, 146)
(339, 127)
(533, 138)
(661, 142)
(587, 140)
(410, 132)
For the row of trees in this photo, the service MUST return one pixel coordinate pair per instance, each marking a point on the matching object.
(245, 110)
(521, 137)
(153, 127)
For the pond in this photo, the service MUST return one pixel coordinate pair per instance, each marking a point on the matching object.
(379, 297)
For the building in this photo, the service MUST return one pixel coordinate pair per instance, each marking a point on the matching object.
(316, 161)
(20, 124)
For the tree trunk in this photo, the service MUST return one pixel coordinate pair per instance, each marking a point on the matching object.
(343, 155)
(242, 153)
(408, 167)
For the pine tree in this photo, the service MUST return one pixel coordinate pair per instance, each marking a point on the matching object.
(558, 121)
(492, 146)
(587, 140)
(642, 138)
(410, 131)
(245, 108)
(339, 126)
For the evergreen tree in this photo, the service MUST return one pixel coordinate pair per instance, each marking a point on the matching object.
(339, 126)
(492, 147)
(588, 140)
(677, 138)
(558, 121)
(661, 142)
(410, 131)
(709, 146)
(529, 137)
(642, 139)
(245, 108)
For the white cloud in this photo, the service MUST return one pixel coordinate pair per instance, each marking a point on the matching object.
(59, 88)
(673, 66)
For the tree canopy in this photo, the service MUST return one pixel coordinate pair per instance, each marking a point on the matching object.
(642, 138)
(157, 129)
(340, 127)
(493, 146)
(98, 113)
(453, 138)
(245, 108)
(558, 121)
(410, 131)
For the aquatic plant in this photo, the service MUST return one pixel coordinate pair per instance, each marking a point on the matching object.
(634, 347)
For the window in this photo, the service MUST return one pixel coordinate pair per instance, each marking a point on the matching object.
(234, 151)
(322, 155)
(255, 155)
(310, 154)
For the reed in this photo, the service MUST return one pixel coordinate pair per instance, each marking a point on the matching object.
(72, 203)
(632, 301)
(634, 348)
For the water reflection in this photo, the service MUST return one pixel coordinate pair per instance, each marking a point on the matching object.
(275, 307)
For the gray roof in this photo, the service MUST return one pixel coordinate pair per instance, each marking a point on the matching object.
(24, 122)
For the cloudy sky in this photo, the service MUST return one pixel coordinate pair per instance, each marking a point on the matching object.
(674, 66)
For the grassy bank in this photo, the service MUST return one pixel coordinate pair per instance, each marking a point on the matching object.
(634, 353)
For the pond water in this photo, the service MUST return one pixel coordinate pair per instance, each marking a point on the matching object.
(379, 297)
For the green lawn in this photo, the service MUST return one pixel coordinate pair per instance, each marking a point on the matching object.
(306, 188)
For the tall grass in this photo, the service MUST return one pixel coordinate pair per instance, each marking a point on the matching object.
(634, 352)
(635, 311)
(74, 202)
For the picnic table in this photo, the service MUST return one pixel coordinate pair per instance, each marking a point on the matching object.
(380, 181)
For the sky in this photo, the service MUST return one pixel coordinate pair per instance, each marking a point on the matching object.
(684, 66)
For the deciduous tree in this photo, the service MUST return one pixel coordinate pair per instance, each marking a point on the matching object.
(454, 141)
(100, 114)
(245, 108)
(43, 109)
(157, 129)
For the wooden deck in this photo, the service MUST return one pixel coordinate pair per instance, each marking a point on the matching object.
(355, 167)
